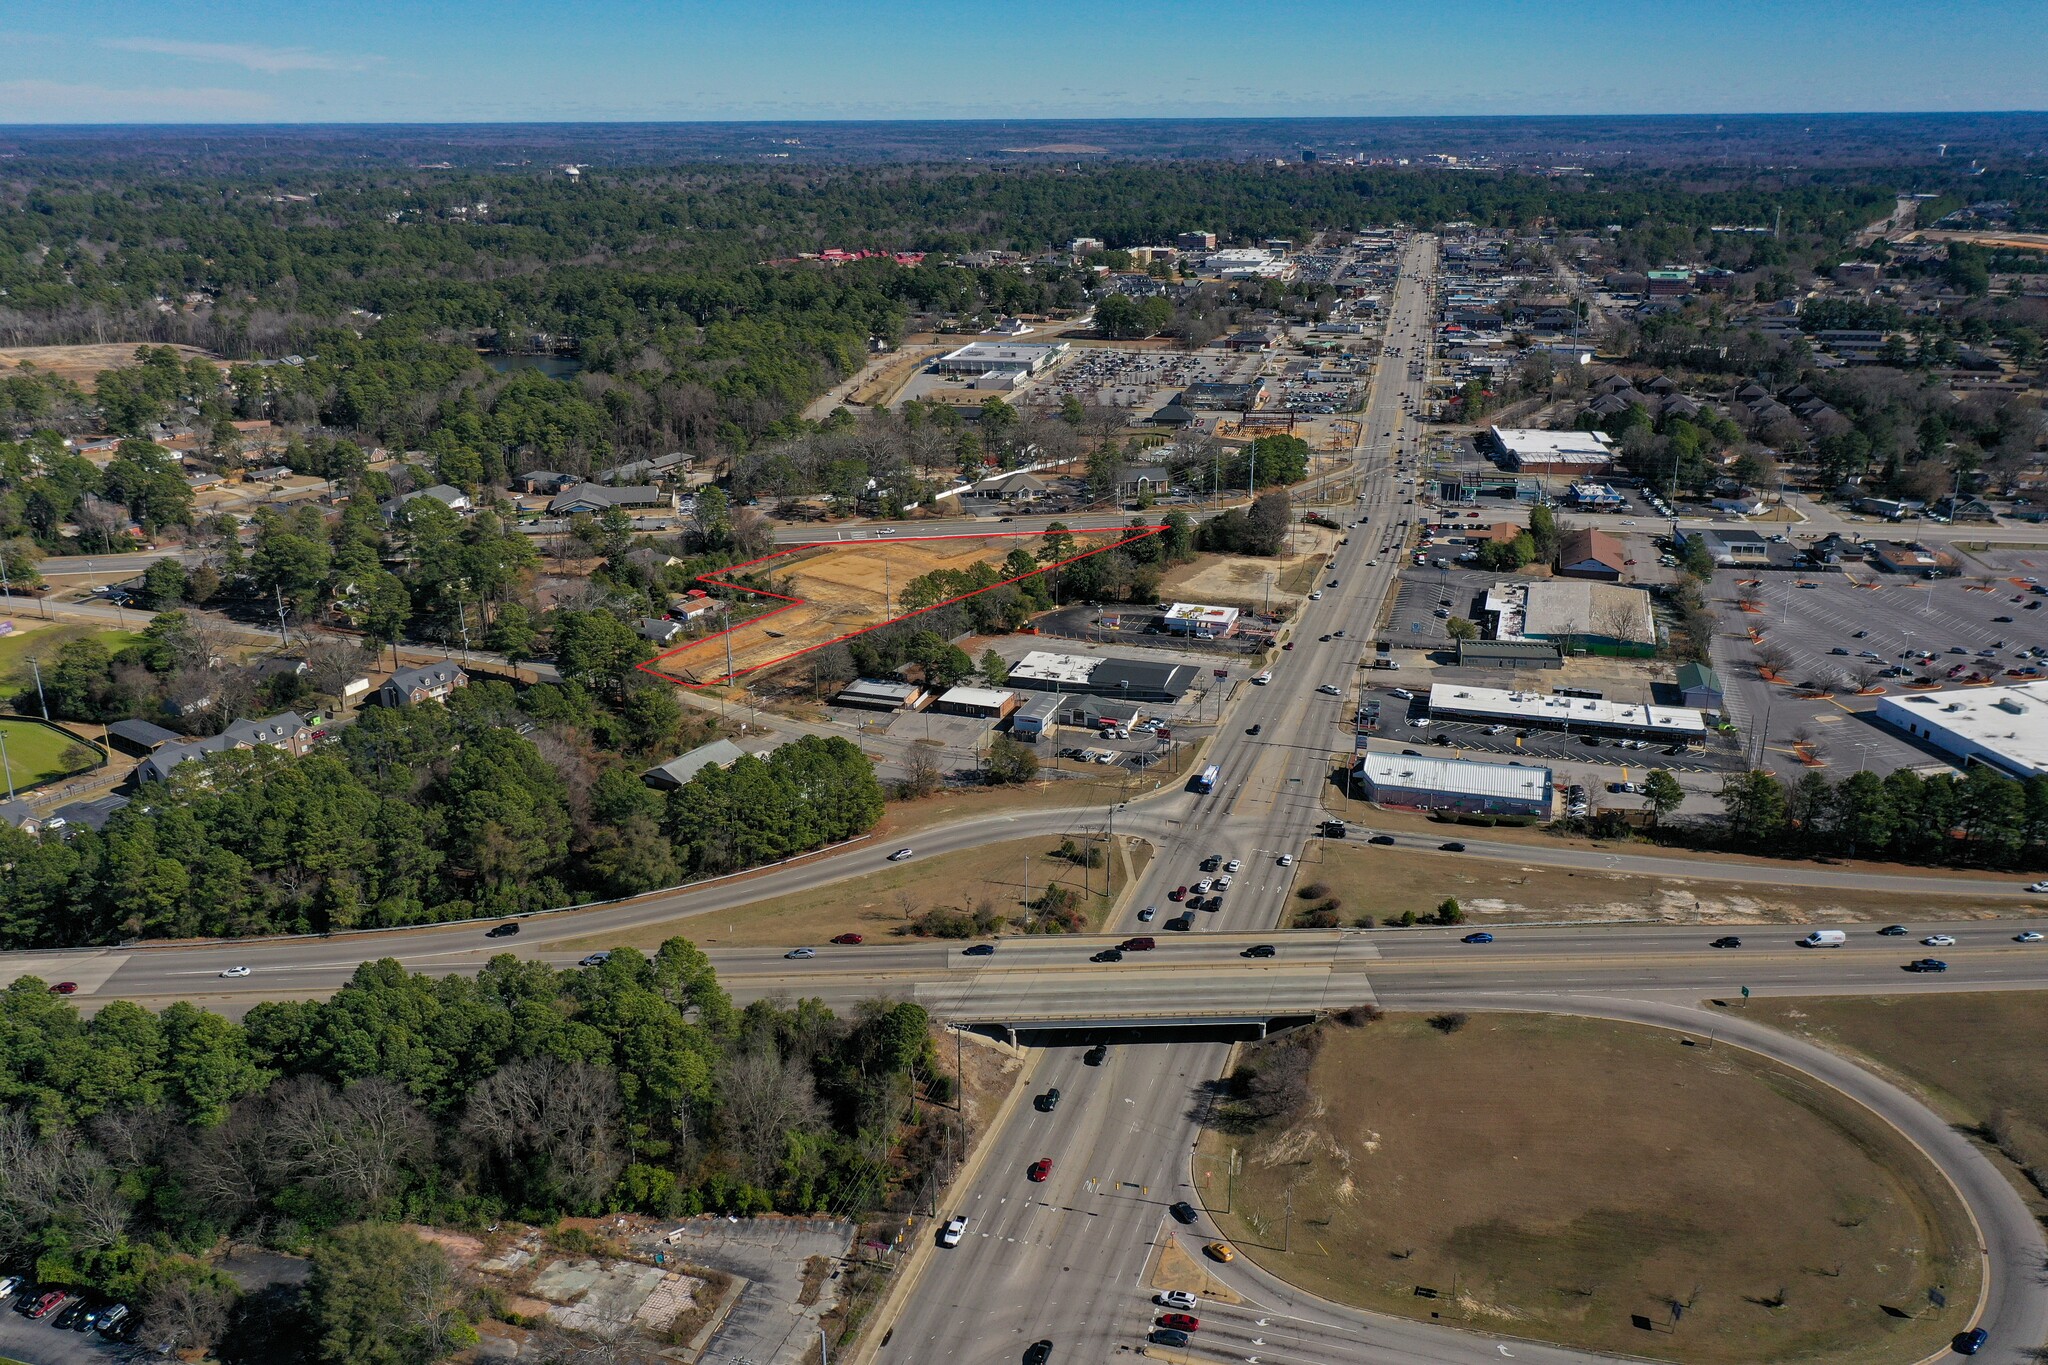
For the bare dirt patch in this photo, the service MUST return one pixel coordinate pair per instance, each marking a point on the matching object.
(840, 589)
(1975, 1056)
(1241, 580)
(1173, 1268)
(1385, 882)
(82, 365)
(1572, 1180)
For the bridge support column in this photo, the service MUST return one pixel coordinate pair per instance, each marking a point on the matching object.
(1262, 1028)
(1010, 1035)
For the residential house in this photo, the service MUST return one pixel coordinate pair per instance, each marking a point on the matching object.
(549, 481)
(430, 682)
(21, 816)
(452, 498)
(659, 629)
(722, 753)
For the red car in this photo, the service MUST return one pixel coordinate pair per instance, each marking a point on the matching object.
(64, 988)
(47, 1304)
(847, 938)
(1039, 1169)
(1180, 1322)
(1179, 893)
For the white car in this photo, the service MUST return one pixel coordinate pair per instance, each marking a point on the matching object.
(801, 952)
(899, 855)
(236, 971)
(1939, 941)
(1404, 694)
(1329, 691)
(2027, 936)
(1232, 866)
(1177, 1298)
(1287, 860)
(1221, 883)
(1315, 597)
(2039, 888)
(956, 1228)
(1261, 679)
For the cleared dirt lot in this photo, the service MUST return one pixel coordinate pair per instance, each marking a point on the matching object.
(1571, 1180)
(1383, 882)
(1241, 581)
(1975, 1056)
(82, 364)
(841, 588)
(880, 905)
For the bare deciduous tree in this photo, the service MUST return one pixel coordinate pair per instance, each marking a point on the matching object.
(553, 1128)
(766, 1095)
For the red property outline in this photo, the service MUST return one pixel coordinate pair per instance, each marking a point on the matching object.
(790, 603)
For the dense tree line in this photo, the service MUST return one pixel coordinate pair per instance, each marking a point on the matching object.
(421, 814)
(136, 1142)
(1979, 819)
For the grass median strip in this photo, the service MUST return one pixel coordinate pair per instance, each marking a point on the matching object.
(1387, 882)
(1004, 880)
(1589, 1183)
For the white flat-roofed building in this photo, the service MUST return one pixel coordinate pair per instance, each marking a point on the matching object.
(1583, 715)
(2005, 728)
(1459, 784)
(998, 357)
(988, 702)
(1554, 452)
(1202, 622)
(1050, 672)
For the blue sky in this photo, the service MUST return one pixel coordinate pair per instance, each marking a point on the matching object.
(516, 60)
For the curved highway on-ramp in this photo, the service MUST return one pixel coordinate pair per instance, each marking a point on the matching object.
(1066, 1258)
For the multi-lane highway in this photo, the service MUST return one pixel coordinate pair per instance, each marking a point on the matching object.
(1067, 1258)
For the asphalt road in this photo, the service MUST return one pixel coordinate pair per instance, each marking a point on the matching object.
(1066, 1258)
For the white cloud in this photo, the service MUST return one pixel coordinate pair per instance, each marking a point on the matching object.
(35, 101)
(271, 61)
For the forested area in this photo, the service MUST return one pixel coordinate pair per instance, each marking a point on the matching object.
(663, 279)
(134, 1144)
(421, 814)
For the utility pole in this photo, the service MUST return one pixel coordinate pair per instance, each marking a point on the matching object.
(284, 640)
(41, 700)
(1027, 881)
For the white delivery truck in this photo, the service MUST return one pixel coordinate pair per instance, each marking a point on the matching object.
(1824, 938)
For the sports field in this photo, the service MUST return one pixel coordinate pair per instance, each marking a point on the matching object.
(833, 590)
(1602, 1185)
(36, 753)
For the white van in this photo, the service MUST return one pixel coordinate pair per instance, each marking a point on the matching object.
(1824, 938)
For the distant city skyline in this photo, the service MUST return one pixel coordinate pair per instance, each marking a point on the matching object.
(235, 61)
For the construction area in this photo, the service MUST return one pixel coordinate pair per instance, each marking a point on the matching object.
(83, 365)
(831, 591)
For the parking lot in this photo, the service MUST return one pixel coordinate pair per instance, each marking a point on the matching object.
(1108, 377)
(1840, 633)
(1425, 592)
(1398, 726)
